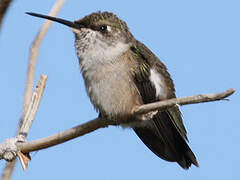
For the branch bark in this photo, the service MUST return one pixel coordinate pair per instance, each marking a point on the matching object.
(101, 123)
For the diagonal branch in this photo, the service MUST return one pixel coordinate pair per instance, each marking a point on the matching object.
(33, 56)
(33, 106)
(101, 123)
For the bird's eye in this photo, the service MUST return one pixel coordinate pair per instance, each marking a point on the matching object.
(103, 28)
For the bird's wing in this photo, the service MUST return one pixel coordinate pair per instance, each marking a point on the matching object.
(165, 135)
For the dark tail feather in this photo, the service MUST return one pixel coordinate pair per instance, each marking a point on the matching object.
(163, 139)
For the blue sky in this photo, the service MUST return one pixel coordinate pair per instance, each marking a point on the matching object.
(198, 41)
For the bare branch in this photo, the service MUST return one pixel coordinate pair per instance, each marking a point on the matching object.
(4, 5)
(30, 80)
(183, 101)
(64, 136)
(101, 123)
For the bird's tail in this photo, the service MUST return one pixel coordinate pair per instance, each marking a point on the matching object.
(163, 138)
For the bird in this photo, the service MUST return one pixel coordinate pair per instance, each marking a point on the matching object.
(120, 73)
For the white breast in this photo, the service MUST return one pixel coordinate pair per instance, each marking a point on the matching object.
(93, 49)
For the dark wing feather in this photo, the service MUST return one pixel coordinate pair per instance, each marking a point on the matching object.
(165, 135)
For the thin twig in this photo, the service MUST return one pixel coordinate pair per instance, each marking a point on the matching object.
(183, 101)
(33, 106)
(100, 123)
(30, 79)
(4, 5)
(33, 56)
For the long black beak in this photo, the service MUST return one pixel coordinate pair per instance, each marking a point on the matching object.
(59, 20)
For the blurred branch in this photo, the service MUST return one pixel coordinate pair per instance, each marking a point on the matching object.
(6, 175)
(101, 123)
(34, 53)
(25, 123)
(4, 5)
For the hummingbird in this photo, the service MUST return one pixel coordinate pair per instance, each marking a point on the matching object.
(121, 73)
